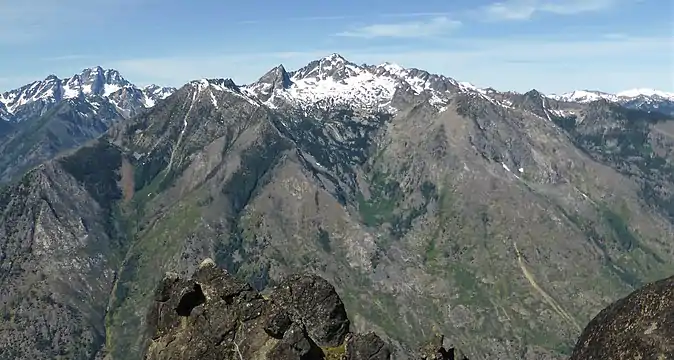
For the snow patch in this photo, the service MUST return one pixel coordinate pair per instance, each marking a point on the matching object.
(392, 68)
(364, 88)
(110, 88)
(148, 102)
(213, 100)
(70, 92)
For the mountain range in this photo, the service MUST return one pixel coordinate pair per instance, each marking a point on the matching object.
(642, 99)
(504, 220)
(91, 85)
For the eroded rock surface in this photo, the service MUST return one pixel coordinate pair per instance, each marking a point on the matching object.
(436, 350)
(215, 316)
(639, 326)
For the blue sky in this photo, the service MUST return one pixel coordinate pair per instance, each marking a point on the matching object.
(550, 45)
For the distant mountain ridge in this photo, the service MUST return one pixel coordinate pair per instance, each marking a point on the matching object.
(332, 78)
(593, 95)
(642, 99)
(92, 84)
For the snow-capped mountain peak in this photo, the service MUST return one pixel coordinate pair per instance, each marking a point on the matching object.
(276, 79)
(94, 81)
(334, 67)
(339, 81)
(593, 95)
(583, 96)
(641, 98)
(634, 93)
(392, 68)
(153, 93)
(90, 83)
(334, 80)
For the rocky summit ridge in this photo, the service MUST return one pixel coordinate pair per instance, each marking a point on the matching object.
(213, 315)
(334, 80)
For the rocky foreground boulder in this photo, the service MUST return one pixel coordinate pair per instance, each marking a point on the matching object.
(435, 350)
(215, 316)
(639, 326)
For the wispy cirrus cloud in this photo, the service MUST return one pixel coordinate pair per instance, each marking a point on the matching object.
(349, 17)
(526, 9)
(411, 29)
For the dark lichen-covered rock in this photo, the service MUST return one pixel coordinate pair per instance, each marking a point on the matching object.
(277, 323)
(366, 347)
(313, 302)
(215, 316)
(435, 350)
(295, 345)
(639, 326)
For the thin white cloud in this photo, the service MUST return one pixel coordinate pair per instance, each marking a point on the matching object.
(300, 19)
(511, 10)
(413, 29)
(348, 17)
(571, 7)
(526, 9)
(415, 14)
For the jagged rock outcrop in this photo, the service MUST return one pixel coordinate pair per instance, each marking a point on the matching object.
(215, 316)
(436, 350)
(639, 326)
(312, 301)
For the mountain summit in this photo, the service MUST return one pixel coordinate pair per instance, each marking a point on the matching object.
(336, 80)
(643, 99)
(43, 118)
(92, 85)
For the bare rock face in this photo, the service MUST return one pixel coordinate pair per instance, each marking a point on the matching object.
(312, 301)
(368, 346)
(639, 326)
(435, 350)
(215, 316)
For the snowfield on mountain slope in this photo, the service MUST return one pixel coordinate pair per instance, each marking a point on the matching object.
(337, 81)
